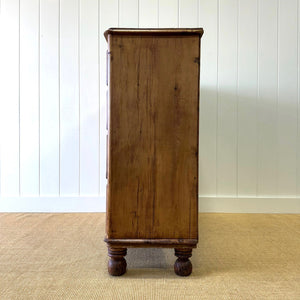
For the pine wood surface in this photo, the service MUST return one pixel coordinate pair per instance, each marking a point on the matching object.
(156, 31)
(153, 136)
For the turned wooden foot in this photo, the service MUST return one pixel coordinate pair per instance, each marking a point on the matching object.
(117, 263)
(183, 266)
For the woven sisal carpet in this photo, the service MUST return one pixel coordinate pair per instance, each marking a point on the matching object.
(63, 256)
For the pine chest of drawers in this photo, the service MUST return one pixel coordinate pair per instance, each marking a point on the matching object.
(152, 142)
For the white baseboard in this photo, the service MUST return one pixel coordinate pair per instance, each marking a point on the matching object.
(250, 205)
(53, 204)
(98, 204)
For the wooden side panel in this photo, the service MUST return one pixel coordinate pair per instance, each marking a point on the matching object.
(153, 154)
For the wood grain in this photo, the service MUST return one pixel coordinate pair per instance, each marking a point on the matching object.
(153, 136)
(152, 31)
(157, 243)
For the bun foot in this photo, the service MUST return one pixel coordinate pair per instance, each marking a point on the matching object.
(117, 263)
(183, 266)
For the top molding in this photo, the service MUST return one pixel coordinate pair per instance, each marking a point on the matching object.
(154, 31)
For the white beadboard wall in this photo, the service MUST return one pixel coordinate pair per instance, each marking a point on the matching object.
(53, 100)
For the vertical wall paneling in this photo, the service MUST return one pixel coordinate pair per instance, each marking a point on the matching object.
(148, 13)
(69, 97)
(1, 80)
(108, 15)
(128, 13)
(10, 98)
(247, 99)
(287, 97)
(227, 99)
(49, 97)
(89, 98)
(208, 17)
(267, 98)
(53, 97)
(29, 97)
(298, 105)
(188, 13)
(168, 13)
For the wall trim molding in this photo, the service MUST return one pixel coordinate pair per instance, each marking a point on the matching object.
(249, 204)
(53, 204)
(98, 204)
